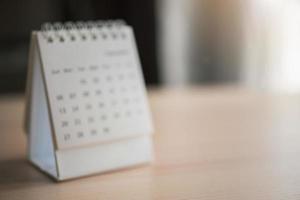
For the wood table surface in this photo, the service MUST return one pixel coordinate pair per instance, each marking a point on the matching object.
(210, 143)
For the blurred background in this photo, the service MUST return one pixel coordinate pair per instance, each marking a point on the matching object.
(251, 43)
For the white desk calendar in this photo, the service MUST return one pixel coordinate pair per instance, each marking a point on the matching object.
(87, 109)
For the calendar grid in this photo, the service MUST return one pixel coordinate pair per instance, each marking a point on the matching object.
(98, 94)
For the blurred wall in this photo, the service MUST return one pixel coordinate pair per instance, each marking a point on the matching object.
(219, 38)
(253, 43)
(272, 45)
(174, 33)
(19, 18)
(201, 41)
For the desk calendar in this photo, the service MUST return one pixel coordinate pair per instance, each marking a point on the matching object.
(87, 109)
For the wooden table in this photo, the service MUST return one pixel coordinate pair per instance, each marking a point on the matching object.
(210, 143)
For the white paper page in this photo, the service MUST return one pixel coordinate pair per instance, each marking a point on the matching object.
(95, 88)
(40, 143)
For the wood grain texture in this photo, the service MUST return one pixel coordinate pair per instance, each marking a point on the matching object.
(210, 143)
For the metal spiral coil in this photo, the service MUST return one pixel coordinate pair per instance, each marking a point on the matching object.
(90, 30)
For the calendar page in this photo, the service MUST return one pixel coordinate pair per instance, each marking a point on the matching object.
(94, 85)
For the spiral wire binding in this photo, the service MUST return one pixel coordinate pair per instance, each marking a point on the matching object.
(80, 30)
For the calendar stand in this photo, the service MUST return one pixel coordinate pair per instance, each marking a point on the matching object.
(72, 134)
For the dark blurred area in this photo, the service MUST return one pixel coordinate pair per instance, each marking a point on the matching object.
(249, 43)
(19, 18)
